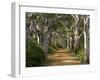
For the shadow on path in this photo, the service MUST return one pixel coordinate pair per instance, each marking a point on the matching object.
(62, 57)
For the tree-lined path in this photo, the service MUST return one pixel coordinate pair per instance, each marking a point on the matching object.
(49, 36)
(62, 57)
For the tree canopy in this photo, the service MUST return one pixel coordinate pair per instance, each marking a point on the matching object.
(53, 31)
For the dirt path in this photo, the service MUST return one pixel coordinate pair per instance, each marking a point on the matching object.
(62, 57)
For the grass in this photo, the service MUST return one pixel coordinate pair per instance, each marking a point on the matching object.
(81, 56)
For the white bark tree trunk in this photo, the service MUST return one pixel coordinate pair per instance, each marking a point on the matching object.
(76, 39)
(38, 40)
(86, 36)
(76, 17)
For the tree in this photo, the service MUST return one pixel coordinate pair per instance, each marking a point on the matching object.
(69, 31)
(42, 25)
(86, 37)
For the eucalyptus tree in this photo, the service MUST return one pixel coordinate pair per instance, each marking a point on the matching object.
(86, 21)
(67, 23)
(48, 28)
(71, 27)
(42, 25)
(81, 32)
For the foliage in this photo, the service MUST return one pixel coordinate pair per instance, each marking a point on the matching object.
(34, 54)
(51, 50)
(81, 55)
(47, 32)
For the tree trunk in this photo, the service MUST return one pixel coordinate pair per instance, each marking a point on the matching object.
(86, 38)
(68, 42)
(76, 40)
(85, 47)
(40, 38)
(45, 45)
(87, 43)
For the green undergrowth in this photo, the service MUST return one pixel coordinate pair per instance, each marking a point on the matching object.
(81, 55)
(34, 54)
(51, 50)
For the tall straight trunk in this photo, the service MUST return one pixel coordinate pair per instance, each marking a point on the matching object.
(68, 42)
(55, 43)
(45, 45)
(76, 39)
(87, 48)
(86, 38)
(38, 40)
(87, 44)
(72, 46)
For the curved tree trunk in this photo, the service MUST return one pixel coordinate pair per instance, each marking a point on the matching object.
(86, 38)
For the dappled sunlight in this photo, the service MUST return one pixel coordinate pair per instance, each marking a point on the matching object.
(71, 61)
(62, 57)
(57, 39)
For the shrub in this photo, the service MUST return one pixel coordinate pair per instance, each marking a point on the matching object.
(81, 55)
(34, 54)
(50, 50)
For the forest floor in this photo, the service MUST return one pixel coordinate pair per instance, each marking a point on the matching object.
(62, 57)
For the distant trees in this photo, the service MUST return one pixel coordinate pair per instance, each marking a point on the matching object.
(41, 26)
(69, 31)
